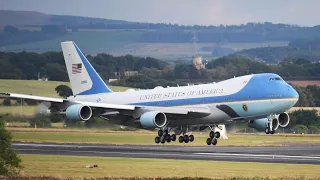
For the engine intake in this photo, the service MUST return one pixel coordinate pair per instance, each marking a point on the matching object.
(153, 119)
(78, 112)
(284, 120)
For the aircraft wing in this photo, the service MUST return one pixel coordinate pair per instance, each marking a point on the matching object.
(190, 112)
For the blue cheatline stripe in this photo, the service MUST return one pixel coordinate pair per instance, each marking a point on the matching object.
(258, 88)
(98, 86)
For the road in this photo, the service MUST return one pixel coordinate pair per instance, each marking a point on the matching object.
(292, 154)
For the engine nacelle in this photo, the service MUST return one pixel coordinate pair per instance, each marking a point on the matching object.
(284, 120)
(153, 119)
(78, 112)
(262, 124)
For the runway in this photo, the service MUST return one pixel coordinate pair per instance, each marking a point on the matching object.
(292, 154)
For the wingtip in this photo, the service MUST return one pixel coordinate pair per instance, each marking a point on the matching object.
(5, 93)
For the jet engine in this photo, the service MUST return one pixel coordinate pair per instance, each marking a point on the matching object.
(78, 112)
(262, 124)
(284, 120)
(153, 119)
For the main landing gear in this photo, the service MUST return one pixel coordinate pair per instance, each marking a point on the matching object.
(186, 138)
(213, 137)
(164, 136)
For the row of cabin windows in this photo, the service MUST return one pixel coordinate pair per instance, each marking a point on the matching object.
(207, 100)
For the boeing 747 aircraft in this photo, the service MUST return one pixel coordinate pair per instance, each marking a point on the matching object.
(259, 99)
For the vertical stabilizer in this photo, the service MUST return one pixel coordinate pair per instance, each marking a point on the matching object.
(83, 77)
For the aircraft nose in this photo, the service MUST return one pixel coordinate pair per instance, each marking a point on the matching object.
(293, 92)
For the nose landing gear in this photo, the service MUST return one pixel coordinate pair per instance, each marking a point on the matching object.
(270, 127)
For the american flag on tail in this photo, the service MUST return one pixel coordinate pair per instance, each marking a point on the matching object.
(76, 68)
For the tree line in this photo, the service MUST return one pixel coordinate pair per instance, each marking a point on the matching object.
(11, 35)
(151, 72)
(27, 65)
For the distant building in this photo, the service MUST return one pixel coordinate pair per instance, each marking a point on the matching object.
(111, 80)
(43, 78)
(197, 62)
(131, 73)
(126, 73)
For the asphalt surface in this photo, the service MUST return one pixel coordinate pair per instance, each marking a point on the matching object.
(293, 154)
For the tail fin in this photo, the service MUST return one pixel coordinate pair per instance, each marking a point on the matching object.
(83, 77)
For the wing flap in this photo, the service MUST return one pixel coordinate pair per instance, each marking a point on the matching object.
(187, 111)
(107, 106)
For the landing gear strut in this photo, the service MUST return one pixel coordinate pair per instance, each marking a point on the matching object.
(270, 129)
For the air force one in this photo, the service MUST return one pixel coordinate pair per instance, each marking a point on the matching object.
(259, 99)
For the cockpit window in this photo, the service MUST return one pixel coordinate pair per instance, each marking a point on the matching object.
(275, 79)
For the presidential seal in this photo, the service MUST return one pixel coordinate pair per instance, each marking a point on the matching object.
(245, 107)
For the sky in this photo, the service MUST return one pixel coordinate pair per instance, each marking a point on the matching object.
(187, 12)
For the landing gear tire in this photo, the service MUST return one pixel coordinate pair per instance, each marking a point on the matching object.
(272, 132)
(160, 133)
(214, 141)
(191, 138)
(169, 140)
(162, 140)
(181, 139)
(157, 140)
(267, 131)
(209, 141)
(186, 138)
(217, 135)
(211, 134)
(167, 137)
(173, 137)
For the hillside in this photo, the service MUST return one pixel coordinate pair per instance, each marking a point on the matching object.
(89, 41)
(32, 18)
(21, 18)
(39, 88)
(39, 32)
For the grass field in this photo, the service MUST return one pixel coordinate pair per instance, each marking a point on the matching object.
(18, 110)
(121, 42)
(89, 42)
(304, 83)
(75, 166)
(40, 88)
(104, 136)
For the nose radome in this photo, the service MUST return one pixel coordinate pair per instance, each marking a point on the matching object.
(295, 94)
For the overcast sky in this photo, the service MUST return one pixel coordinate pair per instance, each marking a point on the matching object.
(202, 12)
